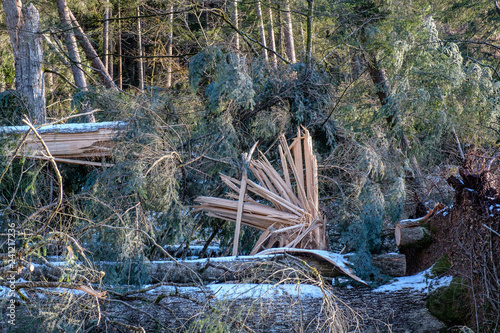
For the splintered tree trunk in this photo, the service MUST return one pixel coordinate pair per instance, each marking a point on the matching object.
(71, 45)
(262, 30)
(139, 46)
(272, 41)
(23, 24)
(288, 32)
(170, 44)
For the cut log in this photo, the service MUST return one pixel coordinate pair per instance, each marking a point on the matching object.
(392, 264)
(414, 232)
(407, 233)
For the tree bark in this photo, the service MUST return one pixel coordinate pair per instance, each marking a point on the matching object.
(392, 264)
(261, 29)
(272, 41)
(71, 45)
(91, 54)
(23, 24)
(288, 32)
(415, 236)
(140, 51)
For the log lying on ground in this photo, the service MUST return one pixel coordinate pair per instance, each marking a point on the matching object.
(393, 264)
(414, 232)
(223, 269)
(68, 143)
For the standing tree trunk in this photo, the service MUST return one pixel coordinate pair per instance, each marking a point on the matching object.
(272, 41)
(23, 24)
(105, 37)
(236, 25)
(169, 45)
(309, 28)
(120, 65)
(288, 32)
(69, 36)
(262, 30)
(139, 46)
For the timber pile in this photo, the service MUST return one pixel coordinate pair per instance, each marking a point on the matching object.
(293, 219)
(67, 143)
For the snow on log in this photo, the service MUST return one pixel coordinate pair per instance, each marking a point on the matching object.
(68, 142)
(336, 261)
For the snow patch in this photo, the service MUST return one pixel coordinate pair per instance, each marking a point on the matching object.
(224, 291)
(420, 282)
(265, 291)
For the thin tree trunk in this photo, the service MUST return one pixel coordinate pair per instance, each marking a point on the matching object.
(303, 37)
(105, 37)
(120, 65)
(91, 54)
(310, 12)
(288, 32)
(111, 46)
(23, 25)
(281, 43)
(71, 45)
(169, 45)
(262, 30)
(236, 25)
(139, 46)
(272, 41)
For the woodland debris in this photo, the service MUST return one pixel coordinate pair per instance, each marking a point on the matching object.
(291, 221)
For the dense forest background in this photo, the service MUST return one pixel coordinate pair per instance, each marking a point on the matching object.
(394, 92)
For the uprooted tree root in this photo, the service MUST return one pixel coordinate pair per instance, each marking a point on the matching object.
(470, 236)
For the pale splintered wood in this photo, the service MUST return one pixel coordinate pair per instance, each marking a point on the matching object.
(239, 212)
(294, 219)
(299, 188)
(69, 142)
